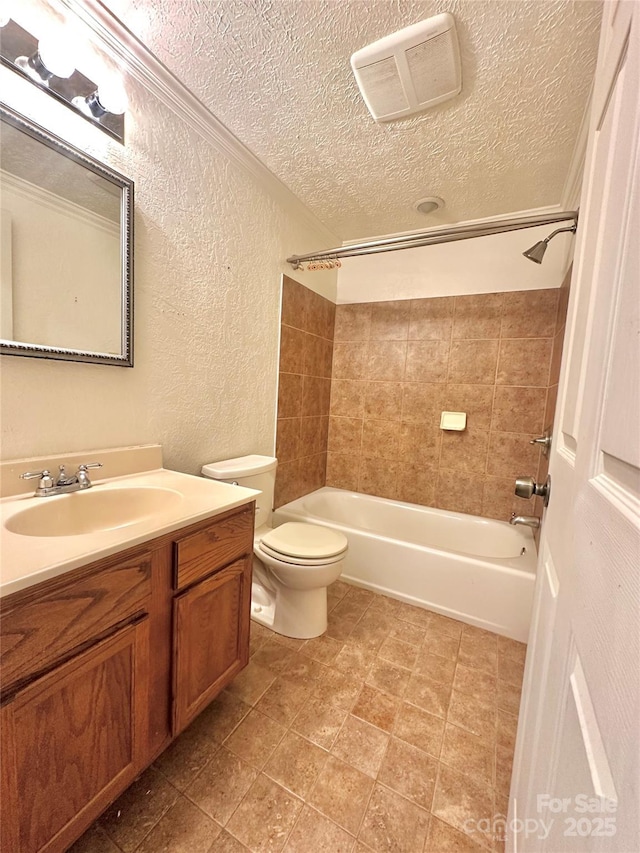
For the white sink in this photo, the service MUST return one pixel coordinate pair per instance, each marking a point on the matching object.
(92, 511)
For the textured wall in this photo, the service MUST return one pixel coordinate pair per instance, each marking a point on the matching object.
(397, 365)
(306, 352)
(209, 250)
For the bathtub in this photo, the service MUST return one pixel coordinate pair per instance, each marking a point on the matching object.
(469, 568)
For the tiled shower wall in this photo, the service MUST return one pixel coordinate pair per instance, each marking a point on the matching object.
(306, 350)
(398, 365)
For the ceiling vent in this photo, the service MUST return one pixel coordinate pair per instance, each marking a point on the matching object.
(411, 70)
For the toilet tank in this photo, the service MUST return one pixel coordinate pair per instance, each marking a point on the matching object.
(254, 472)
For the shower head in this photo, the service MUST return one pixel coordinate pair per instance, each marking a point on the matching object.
(536, 252)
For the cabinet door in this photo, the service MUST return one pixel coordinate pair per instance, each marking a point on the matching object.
(211, 639)
(72, 741)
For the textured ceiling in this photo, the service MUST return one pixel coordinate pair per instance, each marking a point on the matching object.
(277, 73)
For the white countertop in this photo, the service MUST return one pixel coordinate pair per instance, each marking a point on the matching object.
(29, 560)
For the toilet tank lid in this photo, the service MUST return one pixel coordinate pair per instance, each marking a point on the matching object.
(241, 466)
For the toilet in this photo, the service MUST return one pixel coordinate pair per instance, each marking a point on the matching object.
(293, 564)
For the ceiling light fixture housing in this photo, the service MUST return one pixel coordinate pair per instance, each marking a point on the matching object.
(429, 204)
(411, 70)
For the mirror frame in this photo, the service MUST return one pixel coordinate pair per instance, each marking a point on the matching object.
(125, 359)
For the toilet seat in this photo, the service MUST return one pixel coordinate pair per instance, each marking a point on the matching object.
(261, 549)
(304, 544)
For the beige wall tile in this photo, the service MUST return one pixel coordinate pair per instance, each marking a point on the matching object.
(289, 395)
(288, 439)
(431, 319)
(427, 361)
(294, 304)
(530, 314)
(287, 482)
(457, 493)
(383, 401)
(389, 321)
(499, 499)
(524, 362)
(464, 451)
(378, 477)
(478, 316)
(386, 360)
(510, 454)
(313, 471)
(416, 484)
(517, 409)
(419, 443)
(475, 400)
(422, 402)
(556, 358)
(352, 322)
(314, 432)
(342, 471)
(316, 395)
(348, 398)
(345, 436)
(380, 439)
(349, 360)
(473, 362)
(292, 346)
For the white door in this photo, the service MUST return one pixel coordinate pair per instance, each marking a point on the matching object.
(576, 781)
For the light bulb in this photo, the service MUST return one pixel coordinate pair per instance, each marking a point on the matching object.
(56, 56)
(113, 97)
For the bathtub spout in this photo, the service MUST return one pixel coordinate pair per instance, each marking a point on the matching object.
(527, 520)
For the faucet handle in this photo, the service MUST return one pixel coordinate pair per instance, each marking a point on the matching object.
(81, 473)
(46, 480)
(86, 465)
(30, 475)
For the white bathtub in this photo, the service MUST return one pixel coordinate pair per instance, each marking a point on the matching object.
(474, 569)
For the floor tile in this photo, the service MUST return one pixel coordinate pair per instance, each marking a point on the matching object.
(512, 649)
(508, 697)
(255, 739)
(468, 753)
(392, 823)
(342, 793)
(305, 671)
(408, 633)
(265, 816)
(361, 745)
(474, 682)
(134, 814)
(375, 707)
(226, 843)
(183, 829)
(432, 696)
(504, 767)
(221, 786)
(251, 683)
(398, 652)
(506, 730)
(440, 644)
(273, 656)
(409, 771)
(94, 840)
(510, 670)
(444, 625)
(296, 764)
(435, 667)
(323, 649)
(319, 722)
(339, 628)
(443, 838)
(464, 804)
(388, 678)
(414, 615)
(469, 713)
(420, 728)
(314, 833)
(354, 661)
(283, 700)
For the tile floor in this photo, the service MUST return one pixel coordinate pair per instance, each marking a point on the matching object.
(393, 732)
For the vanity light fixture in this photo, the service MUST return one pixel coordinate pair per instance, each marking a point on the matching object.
(49, 64)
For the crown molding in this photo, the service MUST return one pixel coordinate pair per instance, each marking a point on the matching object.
(138, 61)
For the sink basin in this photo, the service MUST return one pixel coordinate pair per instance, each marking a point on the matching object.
(92, 511)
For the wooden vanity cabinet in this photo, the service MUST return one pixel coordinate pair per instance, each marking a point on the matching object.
(101, 667)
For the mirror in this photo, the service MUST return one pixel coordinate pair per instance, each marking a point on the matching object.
(65, 250)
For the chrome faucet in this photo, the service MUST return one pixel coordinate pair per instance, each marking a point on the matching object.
(63, 484)
(527, 520)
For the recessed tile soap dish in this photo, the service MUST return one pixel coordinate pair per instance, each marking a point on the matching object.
(456, 421)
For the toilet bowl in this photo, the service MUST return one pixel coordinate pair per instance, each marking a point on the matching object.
(294, 563)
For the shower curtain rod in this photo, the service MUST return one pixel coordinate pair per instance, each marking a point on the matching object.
(426, 238)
